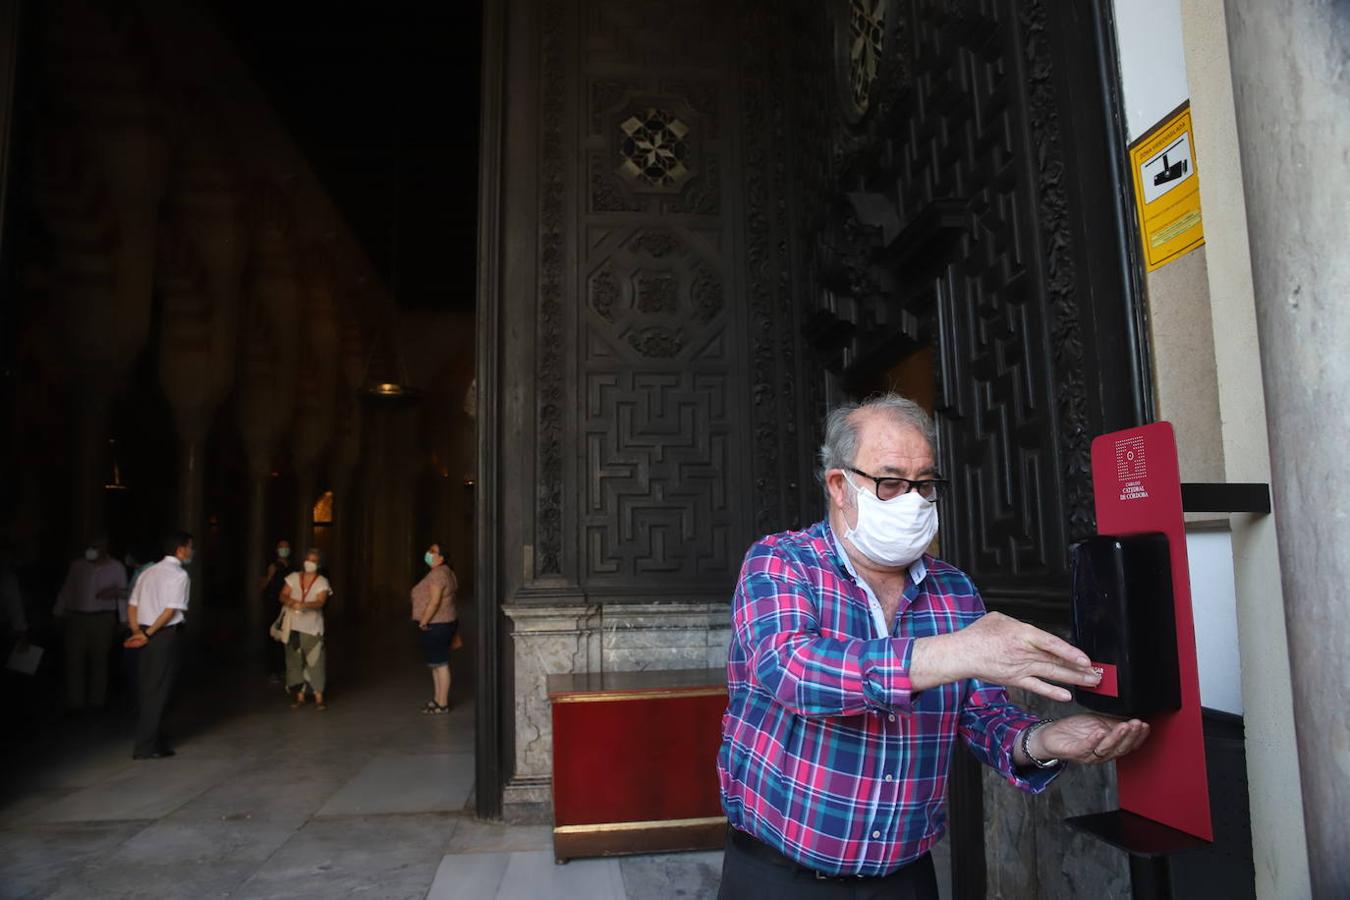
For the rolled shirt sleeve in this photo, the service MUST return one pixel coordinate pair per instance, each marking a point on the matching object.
(991, 726)
(178, 597)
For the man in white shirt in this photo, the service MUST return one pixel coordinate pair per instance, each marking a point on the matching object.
(88, 604)
(155, 613)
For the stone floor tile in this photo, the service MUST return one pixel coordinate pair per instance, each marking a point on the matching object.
(470, 876)
(376, 856)
(476, 836)
(406, 784)
(33, 860)
(533, 875)
(150, 789)
(667, 876)
(167, 859)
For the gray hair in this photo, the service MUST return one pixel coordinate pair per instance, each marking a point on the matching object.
(840, 449)
(314, 552)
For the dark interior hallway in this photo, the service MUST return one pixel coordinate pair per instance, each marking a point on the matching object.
(367, 798)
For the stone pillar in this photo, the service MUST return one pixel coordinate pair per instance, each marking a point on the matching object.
(306, 487)
(254, 553)
(1279, 840)
(265, 394)
(186, 341)
(90, 508)
(337, 562)
(316, 346)
(1291, 77)
(99, 180)
(346, 456)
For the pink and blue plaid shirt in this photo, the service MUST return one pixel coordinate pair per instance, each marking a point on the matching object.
(827, 753)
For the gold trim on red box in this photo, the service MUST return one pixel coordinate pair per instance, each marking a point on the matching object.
(639, 826)
(666, 693)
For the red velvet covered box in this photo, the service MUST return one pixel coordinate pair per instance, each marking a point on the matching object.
(635, 761)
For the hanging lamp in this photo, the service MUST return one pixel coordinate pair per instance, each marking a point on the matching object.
(114, 482)
(400, 390)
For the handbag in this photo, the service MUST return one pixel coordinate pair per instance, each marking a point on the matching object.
(280, 630)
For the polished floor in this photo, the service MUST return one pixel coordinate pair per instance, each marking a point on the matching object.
(367, 799)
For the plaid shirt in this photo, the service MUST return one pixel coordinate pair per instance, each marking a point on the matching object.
(827, 753)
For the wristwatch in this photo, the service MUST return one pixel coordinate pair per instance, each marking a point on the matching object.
(1026, 745)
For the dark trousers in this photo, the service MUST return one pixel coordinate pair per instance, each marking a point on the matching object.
(158, 672)
(89, 639)
(751, 870)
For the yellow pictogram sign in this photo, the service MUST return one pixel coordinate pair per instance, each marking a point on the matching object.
(1167, 190)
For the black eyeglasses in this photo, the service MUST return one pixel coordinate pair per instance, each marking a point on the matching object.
(890, 488)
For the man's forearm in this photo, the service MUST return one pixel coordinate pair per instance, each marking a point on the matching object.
(934, 662)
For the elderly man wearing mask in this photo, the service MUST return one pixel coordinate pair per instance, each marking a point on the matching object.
(857, 660)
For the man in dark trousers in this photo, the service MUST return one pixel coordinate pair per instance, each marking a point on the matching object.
(155, 613)
(88, 604)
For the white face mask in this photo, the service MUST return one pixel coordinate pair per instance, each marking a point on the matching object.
(91, 554)
(892, 532)
(311, 566)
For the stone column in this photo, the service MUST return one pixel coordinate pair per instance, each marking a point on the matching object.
(338, 563)
(306, 487)
(201, 256)
(254, 552)
(90, 509)
(1291, 78)
(265, 398)
(99, 180)
(316, 346)
(185, 343)
(346, 456)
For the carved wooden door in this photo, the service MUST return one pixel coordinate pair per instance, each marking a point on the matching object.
(664, 360)
(946, 208)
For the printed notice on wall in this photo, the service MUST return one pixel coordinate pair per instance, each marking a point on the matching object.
(1167, 190)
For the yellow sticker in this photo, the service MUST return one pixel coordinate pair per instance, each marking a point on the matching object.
(1167, 190)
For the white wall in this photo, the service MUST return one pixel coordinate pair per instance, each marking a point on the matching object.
(1152, 61)
(1214, 605)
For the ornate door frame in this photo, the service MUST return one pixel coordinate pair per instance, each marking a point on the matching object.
(488, 778)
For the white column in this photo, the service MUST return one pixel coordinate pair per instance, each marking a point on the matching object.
(1279, 842)
(1291, 79)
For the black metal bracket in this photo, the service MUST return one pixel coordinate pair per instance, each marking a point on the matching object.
(1136, 834)
(1150, 845)
(1242, 497)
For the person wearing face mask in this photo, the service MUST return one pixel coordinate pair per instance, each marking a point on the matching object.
(156, 613)
(437, 621)
(857, 661)
(88, 603)
(304, 596)
(269, 586)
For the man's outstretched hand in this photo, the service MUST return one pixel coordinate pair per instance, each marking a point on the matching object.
(1084, 738)
(1001, 650)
